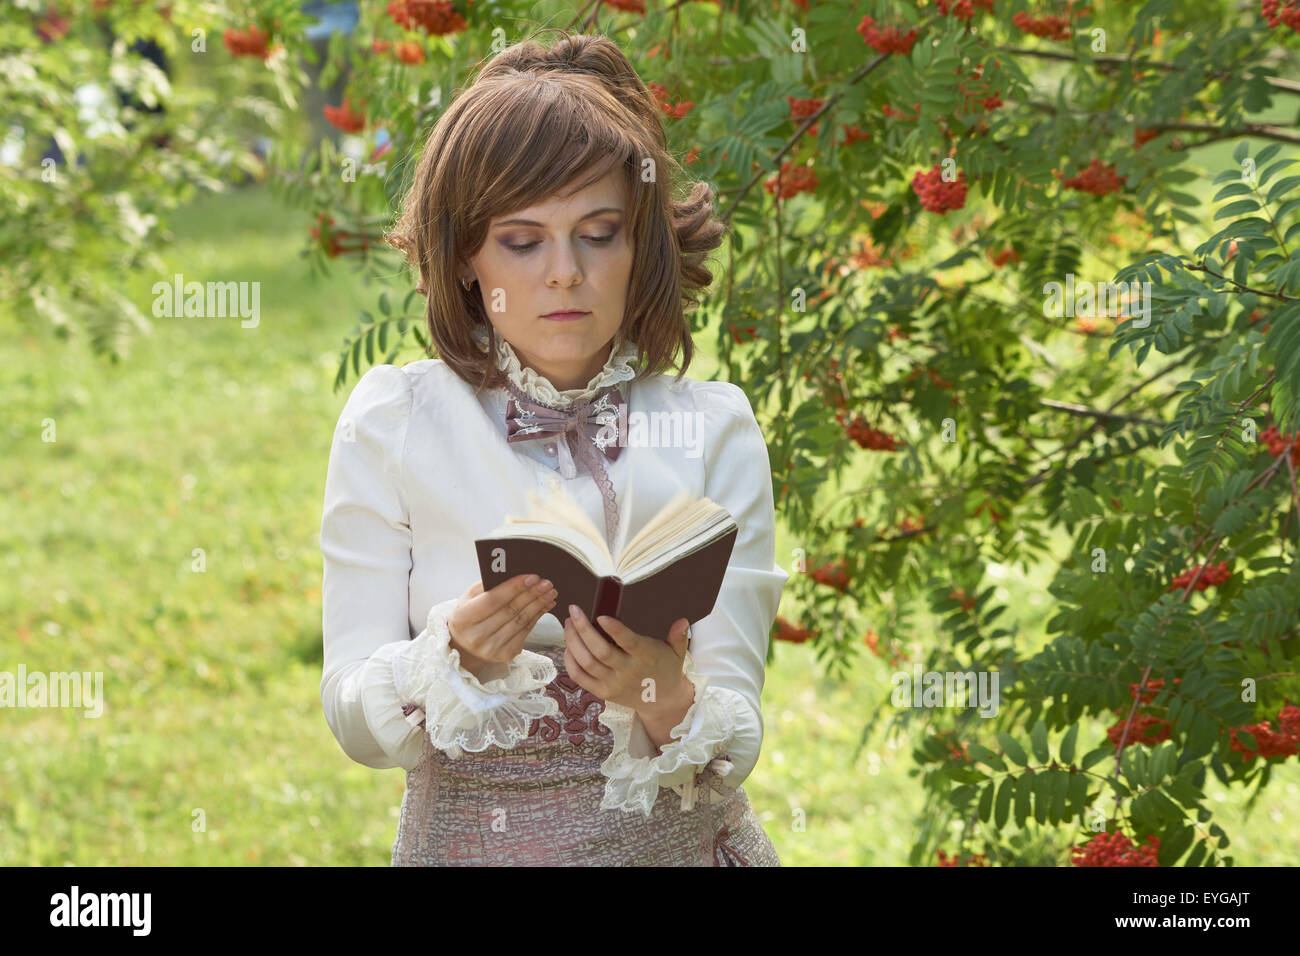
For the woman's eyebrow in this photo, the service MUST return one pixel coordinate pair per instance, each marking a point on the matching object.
(532, 222)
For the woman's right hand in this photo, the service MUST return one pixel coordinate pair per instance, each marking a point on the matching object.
(491, 626)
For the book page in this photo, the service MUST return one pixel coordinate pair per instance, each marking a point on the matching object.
(559, 509)
(680, 522)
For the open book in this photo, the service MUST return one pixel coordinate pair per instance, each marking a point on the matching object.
(670, 569)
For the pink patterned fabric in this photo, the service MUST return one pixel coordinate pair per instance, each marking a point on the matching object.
(538, 804)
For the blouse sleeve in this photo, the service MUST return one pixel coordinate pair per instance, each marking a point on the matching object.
(372, 667)
(727, 651)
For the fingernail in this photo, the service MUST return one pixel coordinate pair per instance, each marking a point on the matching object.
(544, 586)
(576, 612)
(530, 580)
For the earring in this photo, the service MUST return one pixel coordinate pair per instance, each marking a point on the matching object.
(466, 283)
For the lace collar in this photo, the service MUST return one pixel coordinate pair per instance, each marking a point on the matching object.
(618, 368)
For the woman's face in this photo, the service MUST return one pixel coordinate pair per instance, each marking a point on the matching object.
(568, 254)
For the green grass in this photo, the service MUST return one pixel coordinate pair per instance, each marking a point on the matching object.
(216, 437)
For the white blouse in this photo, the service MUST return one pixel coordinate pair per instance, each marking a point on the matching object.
(420, 467)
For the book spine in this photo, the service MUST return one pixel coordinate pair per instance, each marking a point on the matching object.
(609, 600)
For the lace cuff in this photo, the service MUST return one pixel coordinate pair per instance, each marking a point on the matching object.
(463, 712)
(634, 780)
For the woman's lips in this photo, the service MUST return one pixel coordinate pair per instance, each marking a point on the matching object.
(565, 316)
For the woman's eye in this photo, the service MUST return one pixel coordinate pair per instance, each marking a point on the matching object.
(527, 246)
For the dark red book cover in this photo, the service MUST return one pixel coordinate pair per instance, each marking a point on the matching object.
(686, 588)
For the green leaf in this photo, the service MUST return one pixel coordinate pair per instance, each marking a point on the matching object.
(1232, 189)
(1012, 749)
(1002, 806)
(1094, 757)
(986, 756)
(1038, 740)
(1238, 208)
(1060, 786)
(1067, 744)
(1024, 788)
(986, 803)
(1282, 187)
(1175, 844)
(1042, 795)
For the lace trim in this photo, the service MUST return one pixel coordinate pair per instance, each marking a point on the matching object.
(633, 782)
(461, 712)
(618, 368)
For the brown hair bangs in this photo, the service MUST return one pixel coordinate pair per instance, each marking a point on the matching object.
(539, 123)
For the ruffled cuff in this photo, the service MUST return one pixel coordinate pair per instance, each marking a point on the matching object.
(460, 711)
(635, 773)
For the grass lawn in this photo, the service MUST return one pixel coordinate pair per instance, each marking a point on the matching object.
(212, 748)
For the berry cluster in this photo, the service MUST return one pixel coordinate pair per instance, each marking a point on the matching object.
(1143, 135)
(676, 111)
(870, 257)
(977, 859)
(1145, 729)
(868, 437)
(434, 16)
(331, 240)
(1216, 574)
(250, 42)
(794, 179)
(346, 118)
(960, 595)
(1276, 12)
(785, 631)
(833, 575)
(963, 9)
(1000, 259)
(802, 109)
(911, 524)
(1283, 742)
(852, 134)
(978, 94)
(1154, 686)
(1098, 179)
(937, 195)
(1051, 27)
(1116, 849)
(890, 112)
(888, 40)
(409, 52)
(917, 368)
(872, 639)
(1279, 442)
(740, 334)
(994, 514)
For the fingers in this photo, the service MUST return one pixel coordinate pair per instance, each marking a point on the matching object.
(593, 652)
(517, 604)
(516, 632)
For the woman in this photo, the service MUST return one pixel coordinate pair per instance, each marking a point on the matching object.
(554, 259)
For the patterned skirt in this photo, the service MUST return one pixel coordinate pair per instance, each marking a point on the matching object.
(538, 804)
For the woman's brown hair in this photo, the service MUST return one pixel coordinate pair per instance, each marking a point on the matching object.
(529, 127)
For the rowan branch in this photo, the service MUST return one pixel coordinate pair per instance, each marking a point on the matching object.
(1244, 288)
(1111, 61)
(809, 121)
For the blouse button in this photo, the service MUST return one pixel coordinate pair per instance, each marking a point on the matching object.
(550, 448)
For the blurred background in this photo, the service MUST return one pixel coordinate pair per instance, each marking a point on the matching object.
(168, 536)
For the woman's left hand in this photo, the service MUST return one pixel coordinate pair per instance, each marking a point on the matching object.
(616, 672)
